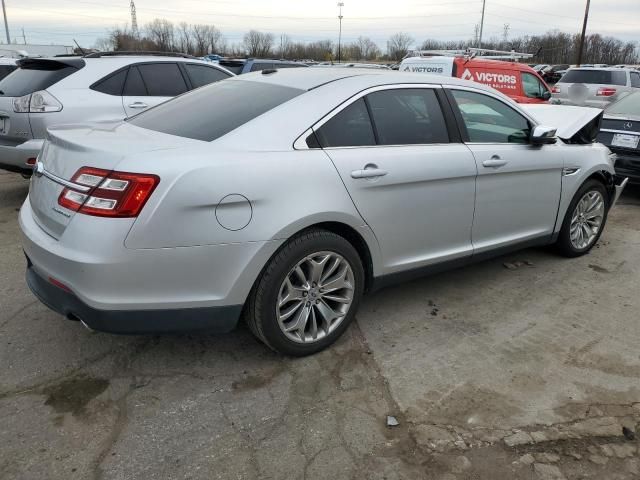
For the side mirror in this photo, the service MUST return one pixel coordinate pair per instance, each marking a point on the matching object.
(542, 135)
(546, 95)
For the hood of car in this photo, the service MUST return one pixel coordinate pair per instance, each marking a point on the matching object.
(574, 124)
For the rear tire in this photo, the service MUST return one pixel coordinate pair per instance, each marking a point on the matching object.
(307, 295)
(584, 220)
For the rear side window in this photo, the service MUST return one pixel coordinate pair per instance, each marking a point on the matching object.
(111, 85)
(134, 86)
(349, 128)
(592, 76)
(202, 75)
(162, 79)
(214, 110)
(635, 79)
(39, 76)
(407, 117)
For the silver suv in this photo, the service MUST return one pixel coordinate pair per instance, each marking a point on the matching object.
(44, 92)
(594, 87)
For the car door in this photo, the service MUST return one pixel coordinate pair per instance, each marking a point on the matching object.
(411, 181)
(518, 185)
(149, 84)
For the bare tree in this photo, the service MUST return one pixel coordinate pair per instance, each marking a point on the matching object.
(201, 38)
(258, 44)
(367, 48)
(398, 45)
(217, 43)
(185, 42)
(284, 46)
(160, 32)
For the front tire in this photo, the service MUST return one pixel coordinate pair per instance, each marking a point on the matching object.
(585, 219)
(307, 295)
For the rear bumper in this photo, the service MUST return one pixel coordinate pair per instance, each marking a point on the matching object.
(628, 166)
(14, 157)
(586, 103)
(206, 319)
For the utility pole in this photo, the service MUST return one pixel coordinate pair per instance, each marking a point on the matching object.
(484, 4)
(24, 38)
(584, 31)
(340, 5)
(6, 24)
(134, 20)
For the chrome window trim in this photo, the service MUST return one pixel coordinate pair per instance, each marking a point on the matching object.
(301, 144)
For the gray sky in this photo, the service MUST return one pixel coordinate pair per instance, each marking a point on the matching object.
(59, 21)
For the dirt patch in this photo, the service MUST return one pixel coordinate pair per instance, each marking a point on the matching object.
(73, 395)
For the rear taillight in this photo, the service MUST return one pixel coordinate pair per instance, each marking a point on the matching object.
(605, 92)
(555, 89)
(112, 194)
(31, 161)
(37, 102)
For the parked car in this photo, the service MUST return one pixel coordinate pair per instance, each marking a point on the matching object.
(516, 80)
(48, 91)
(352, 65)
(621, 133)
(241, 65)
(358, 179)
(7, 65)
(594, 87)
(553, 73)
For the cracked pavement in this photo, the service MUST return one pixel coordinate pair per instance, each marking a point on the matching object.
(525, 372)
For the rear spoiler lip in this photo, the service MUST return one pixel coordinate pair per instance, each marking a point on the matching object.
(76, 63)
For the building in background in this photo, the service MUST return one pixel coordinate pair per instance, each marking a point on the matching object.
(18, 50)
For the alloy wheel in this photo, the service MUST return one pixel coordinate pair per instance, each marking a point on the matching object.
(586, 220)
(315, 297)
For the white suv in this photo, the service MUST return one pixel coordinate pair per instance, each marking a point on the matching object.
(44, 92)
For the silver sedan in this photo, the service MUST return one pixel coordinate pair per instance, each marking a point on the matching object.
(283, 196)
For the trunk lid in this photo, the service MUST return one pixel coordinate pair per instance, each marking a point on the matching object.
(574, 124)
(70, 147)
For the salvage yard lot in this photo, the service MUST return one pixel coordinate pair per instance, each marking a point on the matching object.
(524, 372)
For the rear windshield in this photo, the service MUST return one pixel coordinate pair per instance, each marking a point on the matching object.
(629, 105)
(32, 78)
(601, 77)
(235, 67)
(214, 110)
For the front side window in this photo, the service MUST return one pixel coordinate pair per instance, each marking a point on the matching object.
(203, 75)
(532, 86)
(407, 117)
(351, 127)
(489, 120)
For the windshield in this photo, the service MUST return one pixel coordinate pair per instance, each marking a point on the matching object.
(214, 110)
(598, 77)
(629, 105)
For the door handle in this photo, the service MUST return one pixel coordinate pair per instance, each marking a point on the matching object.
(138, 105)
(368, 173)
(494, 162)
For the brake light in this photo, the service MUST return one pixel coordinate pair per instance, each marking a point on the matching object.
(555, 89)
(606, 92)
(111, 194)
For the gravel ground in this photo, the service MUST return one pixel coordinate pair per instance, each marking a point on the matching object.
(526, 372)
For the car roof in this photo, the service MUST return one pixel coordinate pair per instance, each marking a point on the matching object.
(591, 69)
(311, 78)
